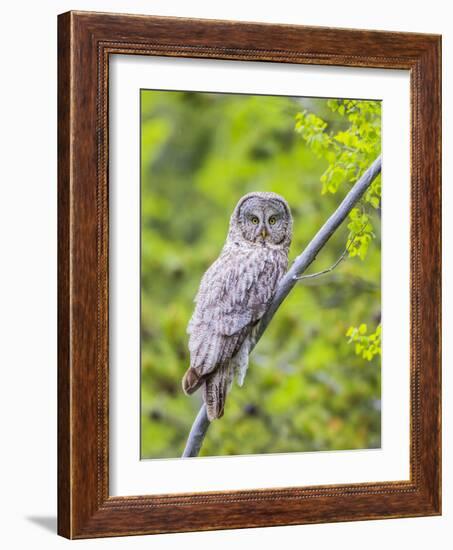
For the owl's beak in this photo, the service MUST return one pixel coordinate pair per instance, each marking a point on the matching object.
(263, 233)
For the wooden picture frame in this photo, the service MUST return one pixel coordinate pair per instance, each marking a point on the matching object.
(85, 42)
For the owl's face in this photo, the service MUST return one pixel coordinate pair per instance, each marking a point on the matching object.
(264, 218)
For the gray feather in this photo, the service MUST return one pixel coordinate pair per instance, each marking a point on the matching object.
(234, 294)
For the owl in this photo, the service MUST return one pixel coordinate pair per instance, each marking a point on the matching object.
(234, 294)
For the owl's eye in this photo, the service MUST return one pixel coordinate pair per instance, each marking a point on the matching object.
(272, 220)
(255, 220)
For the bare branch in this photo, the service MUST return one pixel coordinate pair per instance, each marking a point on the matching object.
(197, 433)
(300, 264)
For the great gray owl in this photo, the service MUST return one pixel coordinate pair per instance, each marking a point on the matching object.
(234, 294)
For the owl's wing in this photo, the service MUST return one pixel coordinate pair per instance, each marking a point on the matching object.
(234, 294)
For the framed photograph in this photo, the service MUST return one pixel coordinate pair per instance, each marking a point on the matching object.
(249, 275)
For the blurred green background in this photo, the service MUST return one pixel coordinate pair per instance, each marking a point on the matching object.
(314, 378)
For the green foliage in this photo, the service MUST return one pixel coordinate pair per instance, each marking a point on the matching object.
(306, 389)
(360, 233)
(366, 345)
(349, 148)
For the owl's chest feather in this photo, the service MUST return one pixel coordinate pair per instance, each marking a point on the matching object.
(258, 271)
(238, 287)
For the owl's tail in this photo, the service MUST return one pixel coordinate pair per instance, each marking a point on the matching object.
(215, 388)
(215, 391)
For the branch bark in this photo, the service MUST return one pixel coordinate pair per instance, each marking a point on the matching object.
(300, 264)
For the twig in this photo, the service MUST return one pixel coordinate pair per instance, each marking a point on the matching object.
(340, 259)
(300, 264)
(328, 270)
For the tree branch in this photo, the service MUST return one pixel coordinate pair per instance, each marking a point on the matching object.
(197, 433)
(300, 264)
